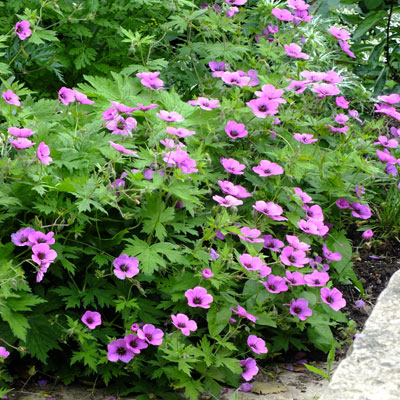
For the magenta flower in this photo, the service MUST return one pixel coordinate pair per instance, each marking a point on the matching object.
(300, 309)
(346, 48)
(122, 108)
(282, 14)
(228, 201)
(146, 108)
(325, 89)
(272, 244)
(388, 110)
(393, 98)
(243, 313)
(313, 227)
(118, 350)
(233, 166)
(66, 95)
(122, 149)
(341, 34)
(134, 343)
(342, 102)
(42, 254)
(21, 237)
(250, 368)
(300, 5)
(234, 190)
(82, 98)
(207, 273)
(43, 153)
(354, 114)
(368, 234)
(386, 157)
(360, 210)
(3, 352)
(294, 50)
(37, 237)
(332, 77)
(110, 114)
(290, 256)
(295, 243)
(262, 107)
(22, 29)
(343, 129)
(314, 212)
(333, 297)
(125, 266)
(205, 104)
(179, 132)
(305, 198)
(151, 334)
(218, 68)
(297, 86)
(91, 319)
(271, 93)
(386, 142)
(213, 254)
(275, 284)
(270, 209)
(235, 130)
(11, 98)
(198, 297)
(21, 143)
(182, 322)
(234, 78)
(341, 119)
(316, 278)
(250, 235)
(232, 11)
(329, 255)
(151, 80)
(313, 76)
(342, 204)
(245, 387)
(305, 138)
(268, 168)
(257, 344)
(170, 116)
(294, 278)
(250, 263)
(236, 2)
(121, 126)
(20, 133)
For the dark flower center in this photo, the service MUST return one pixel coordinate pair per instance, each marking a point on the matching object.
(89, 320)
(292, 259)
(149, 336)
(121, 351)
(23, 239)
(123, 268)
(133, 343)
(181, 325)
(267, 171)
(196, 300)
(317, 282)
(41, 240)
(206, 105)
(297, 310)
(234, 80)
(262, 108)
(272, 287)
(41, 256)
(329, 299)
(234, 133)
(120, 125)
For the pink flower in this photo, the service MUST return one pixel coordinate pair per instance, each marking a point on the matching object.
(207, 273)
(386, 142)
(22, 29)
(151, 334)
(360, 210)
(43, 153)
(267, 168)
(37, 237)
(198, 297)
(243, 313)
(282, 14)
(205, 104)
(233, 166)
(270, 209)
(338, 33)
(325, 89)
(346, 48)
(333, 297)
(151, 80)
(21, 237)
(297, 86)
(179, 132)
(122, 149)
(271, 93)
(368, 234)
(330, 255)
(272, 244)
(342, 204)
(388, 110)
(218, 68)
(66, 95)
(250, 235)
(21, 143)
(294, 50)
(170, 116)
(275, 284)
(393, 98)
(134, 343)
(313, 227)
(343, 129)
(82, 98)
(228, 201)
(250, 368)
(262, 107)
(341, 119)
(300, 309)
(182, 322)
(305, 198)
(235, 130)
(231, 12)
(294, 278)
(332, 77)
(250, 263)
(236, 2)
(3, 352)
(314, 212)
(354, 114)
(118, 350)
(11, 98)
(305, 138)
(125, 266)
(146, 108)
(234, 190)
(20, 133)
(42, 254)
(257, 344)
(386, 157)
(316, 278)
(91, 319)
(235, 78)
(342, 102)
(290, 256)
(298, 4)
(313, 76)
(295, 243)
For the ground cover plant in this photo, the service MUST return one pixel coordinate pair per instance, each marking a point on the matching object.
(187, 236)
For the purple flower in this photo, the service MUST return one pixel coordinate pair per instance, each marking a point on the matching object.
(42, 254)
(342, 129)
(329, 255)
(66, 95)
(294, 278)
(204, 103)
(151, 80)
(275, 284)
(313, 76)
(342, 102)
(341, 119)
(325, 89)
(386, 142)
(268, 168)
(234, 190)
(270, 209)
(300, 309)
(91, 319)
(213, 254)
(36, 237)
(198, 297)
(43, 153)
(297, 86)
(305, 138)
(342, 204)
(386, 157)
(232, 11)
(42, 382)
(236, 2)
(228, 201)
(282, 14)
(359, 304)
(22, 29)
(82, 98)
(146, 108)
(3, 352)
(243, 313)
(333, 297)
(391, 169)
(135, 327)
(346, 48)
(234, 78)
(294, 241)
(118, 350)
(395, 131)
(360, 210)
(305, 198)
(272, 243)
(151, 334)
(233, 166)
(207, 273)
(271, 93)
(245, 387)
(262, 107)
(354, 114)
(294, 50)
(11, 98)
(122, 149)
(368, 234)
(250, 368)
(21, 143)
(257, 344)
(235, 130)
(125, 266)
(134, 343)
(172, 116)
(250, 263)
(341, 34)
(393, 98)
(313, 227)
(20, 133)
(21, 237)
(250, 235)
(182, 322)
(218, 68)
(290, 256)
(314, 212)
(316, 278)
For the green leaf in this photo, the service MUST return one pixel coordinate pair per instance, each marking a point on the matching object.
(321, 337)
(18, 322)
(217, 319)
(317, 371)
(24, 302)
(368, 23)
